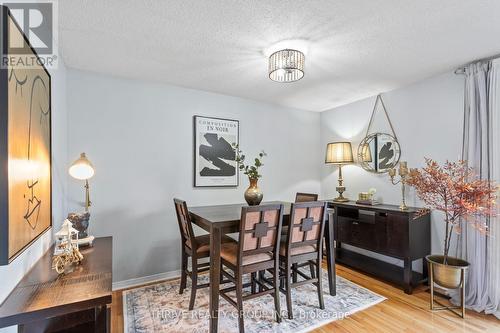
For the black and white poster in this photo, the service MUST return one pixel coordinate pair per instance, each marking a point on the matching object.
(214, 157)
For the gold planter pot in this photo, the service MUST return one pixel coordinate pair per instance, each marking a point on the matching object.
(450, 276)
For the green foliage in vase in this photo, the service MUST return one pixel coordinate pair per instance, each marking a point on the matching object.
(252, 171)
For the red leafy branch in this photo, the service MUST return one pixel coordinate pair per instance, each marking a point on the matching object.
(455, 190)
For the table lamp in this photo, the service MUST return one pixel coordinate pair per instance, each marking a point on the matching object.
(339, 153)
(82, 169)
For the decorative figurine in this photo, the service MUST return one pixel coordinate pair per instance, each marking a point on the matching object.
(66, 251)
(367, 198)
(80, 222)
(403, 174)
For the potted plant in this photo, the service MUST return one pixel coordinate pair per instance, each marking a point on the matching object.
(460, 195)
(253, 194)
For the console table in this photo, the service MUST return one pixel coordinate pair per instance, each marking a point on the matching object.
(386, 230)
(75, 302)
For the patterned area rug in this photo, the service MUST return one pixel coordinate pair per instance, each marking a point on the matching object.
(160, 308)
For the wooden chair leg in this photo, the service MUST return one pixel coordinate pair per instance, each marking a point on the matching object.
(194, 282)
(277, 305)
(183, 272)
(261, 279)
(253, 277)
(320, 285)
(312, 270)
(294, 272)
(239, 301)
(288, 289)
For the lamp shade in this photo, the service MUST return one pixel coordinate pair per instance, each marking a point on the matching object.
(82, 169)
(339, 153)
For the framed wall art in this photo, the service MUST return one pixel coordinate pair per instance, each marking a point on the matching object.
(25, 145)
(214, 158)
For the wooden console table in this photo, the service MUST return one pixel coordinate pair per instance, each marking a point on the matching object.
(76, 302)
(386, 230)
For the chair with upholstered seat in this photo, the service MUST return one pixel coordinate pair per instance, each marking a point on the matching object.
(300, 197)
(303, 245)
(305, 197)
(196, 247)
(256, 251)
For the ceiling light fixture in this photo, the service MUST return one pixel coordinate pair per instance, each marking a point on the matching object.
(286, 65)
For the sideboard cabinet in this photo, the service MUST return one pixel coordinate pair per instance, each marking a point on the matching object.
(386, 230)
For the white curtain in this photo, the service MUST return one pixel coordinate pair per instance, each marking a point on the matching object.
(481, 148)
(493, 253)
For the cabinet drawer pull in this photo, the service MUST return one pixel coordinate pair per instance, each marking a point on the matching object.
(355, 223)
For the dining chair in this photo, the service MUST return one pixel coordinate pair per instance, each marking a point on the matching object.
(303, 245)
(305, 197)
(196, 247)
(300, 197)
(256, 251)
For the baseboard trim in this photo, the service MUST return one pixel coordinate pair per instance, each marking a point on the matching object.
(125, 284)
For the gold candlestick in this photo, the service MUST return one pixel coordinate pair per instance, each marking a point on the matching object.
(403, 175)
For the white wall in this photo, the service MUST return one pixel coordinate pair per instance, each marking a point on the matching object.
(139, 136)
(11, 274)
(427, 117)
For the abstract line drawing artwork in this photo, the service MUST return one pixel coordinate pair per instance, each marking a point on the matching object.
(38, 117)
(215, 159)
(25, 123)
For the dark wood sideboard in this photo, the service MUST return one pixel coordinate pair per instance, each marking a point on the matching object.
(386, 230)
(75, 302)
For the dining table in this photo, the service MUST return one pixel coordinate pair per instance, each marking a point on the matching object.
(219, 220)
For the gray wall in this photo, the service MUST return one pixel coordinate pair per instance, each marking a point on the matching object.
(139, 136)
(427, 117)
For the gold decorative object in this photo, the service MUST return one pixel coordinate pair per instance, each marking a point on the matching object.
(451, 276)
(66, 251)
(379, 152)
(339, 153)
(364, 196)
(253, 194)
(403, 175)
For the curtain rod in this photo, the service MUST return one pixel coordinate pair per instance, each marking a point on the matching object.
(461, 70)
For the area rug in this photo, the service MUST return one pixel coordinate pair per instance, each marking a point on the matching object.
(160, 308)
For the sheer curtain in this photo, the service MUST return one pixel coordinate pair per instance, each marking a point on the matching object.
(481, 148)
(493, 253)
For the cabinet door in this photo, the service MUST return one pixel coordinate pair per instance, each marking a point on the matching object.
(357, 232)
(397, 235)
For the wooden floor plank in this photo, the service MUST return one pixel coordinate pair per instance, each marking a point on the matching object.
(399, 313)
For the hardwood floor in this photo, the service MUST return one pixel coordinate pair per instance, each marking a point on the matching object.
(399, 313)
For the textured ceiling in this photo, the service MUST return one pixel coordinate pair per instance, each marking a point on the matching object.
(355, 48)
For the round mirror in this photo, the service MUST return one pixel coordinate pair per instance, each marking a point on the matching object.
(379, 152)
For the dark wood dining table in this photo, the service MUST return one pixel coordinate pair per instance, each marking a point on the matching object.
(225, 219)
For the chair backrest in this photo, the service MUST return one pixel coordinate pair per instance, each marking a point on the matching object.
(184, 221)
(307, 224)
(306, 197)
(260, 229)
